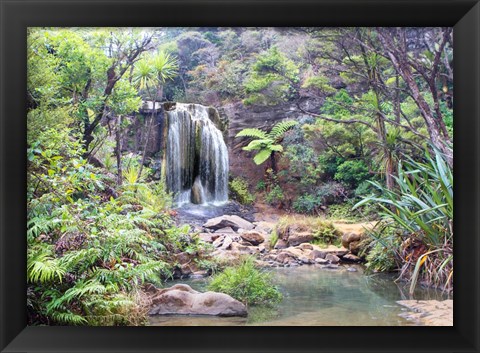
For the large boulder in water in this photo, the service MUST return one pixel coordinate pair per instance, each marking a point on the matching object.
(181, 299)
(235, 222)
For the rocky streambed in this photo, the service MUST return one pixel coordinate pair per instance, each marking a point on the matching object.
(321, 285)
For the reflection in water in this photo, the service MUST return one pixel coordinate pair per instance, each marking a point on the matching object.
(318, 297)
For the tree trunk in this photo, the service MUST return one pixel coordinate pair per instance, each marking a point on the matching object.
(118, 150)
(399, 59)
(273, 162)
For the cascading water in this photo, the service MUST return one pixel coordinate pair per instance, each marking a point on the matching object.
(196, 157)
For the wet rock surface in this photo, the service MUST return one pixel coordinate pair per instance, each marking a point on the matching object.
(181, 299)
(429, 312)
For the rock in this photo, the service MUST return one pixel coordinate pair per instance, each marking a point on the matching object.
(354, 247)
(347, 238)
(181, 299)
(294, 252)
(198, 195)
(235, 222)
(295, 239)
(352, 269)
(306, 246)
(243, 242)
(182, 258)
(429, 312)
(225, 230)
(334, 259)
(187, 269)
(227, 241)
(208, 237)
(218, 242)
(281, 244)
(243, 249)
(262, 248)
(253, 237)
(351, 257)
(321, 261)
(305, 260)
(315, 254)
(263, 227)
(199, 274)
(283, 257)
(332, 249)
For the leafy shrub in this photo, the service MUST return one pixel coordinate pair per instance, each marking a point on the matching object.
(261, 186)
(246, 284)
(239, 190)
(352, 172)
(275, 196)
(307, 203)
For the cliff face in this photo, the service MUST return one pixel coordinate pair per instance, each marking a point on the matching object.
(263, 117)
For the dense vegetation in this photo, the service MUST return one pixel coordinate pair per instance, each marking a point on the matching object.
(99, 225)
(246, 284)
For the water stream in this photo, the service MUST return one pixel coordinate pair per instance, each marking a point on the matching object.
(318, 297)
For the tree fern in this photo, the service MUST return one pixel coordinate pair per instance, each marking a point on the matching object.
(279, 129)
(254, 133)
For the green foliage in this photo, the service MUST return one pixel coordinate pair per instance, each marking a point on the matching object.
(272, 79)
(88, 253)
(421, 207)
(246, 284)
(275, 196)
(239, 189)
(266, 143)
(352, 172)
(325, 233)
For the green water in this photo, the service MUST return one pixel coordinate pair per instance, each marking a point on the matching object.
(318, 297)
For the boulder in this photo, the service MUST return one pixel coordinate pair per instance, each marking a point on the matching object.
(347, 238)
(208, 237)
(182, 258)
(306, 246)
(218, 242)
(334, 259)
(280, 244)
(226, 230)
(226, 243)
(181, 299)
(236, 247)
(298, 238)
(235, 222)
(355, 247)
(321, 261)
(317, 254)
(351, 257)
(294, 252)
(253, 237)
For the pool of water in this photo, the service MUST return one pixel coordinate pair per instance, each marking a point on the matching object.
(313, 296)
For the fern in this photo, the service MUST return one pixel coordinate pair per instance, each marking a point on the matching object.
(42, 267)
(251, 132)
(279, 129)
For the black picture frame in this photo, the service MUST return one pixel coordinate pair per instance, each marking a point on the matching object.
(16, 16)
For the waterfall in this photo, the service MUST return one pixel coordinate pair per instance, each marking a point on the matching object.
(196, 156)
